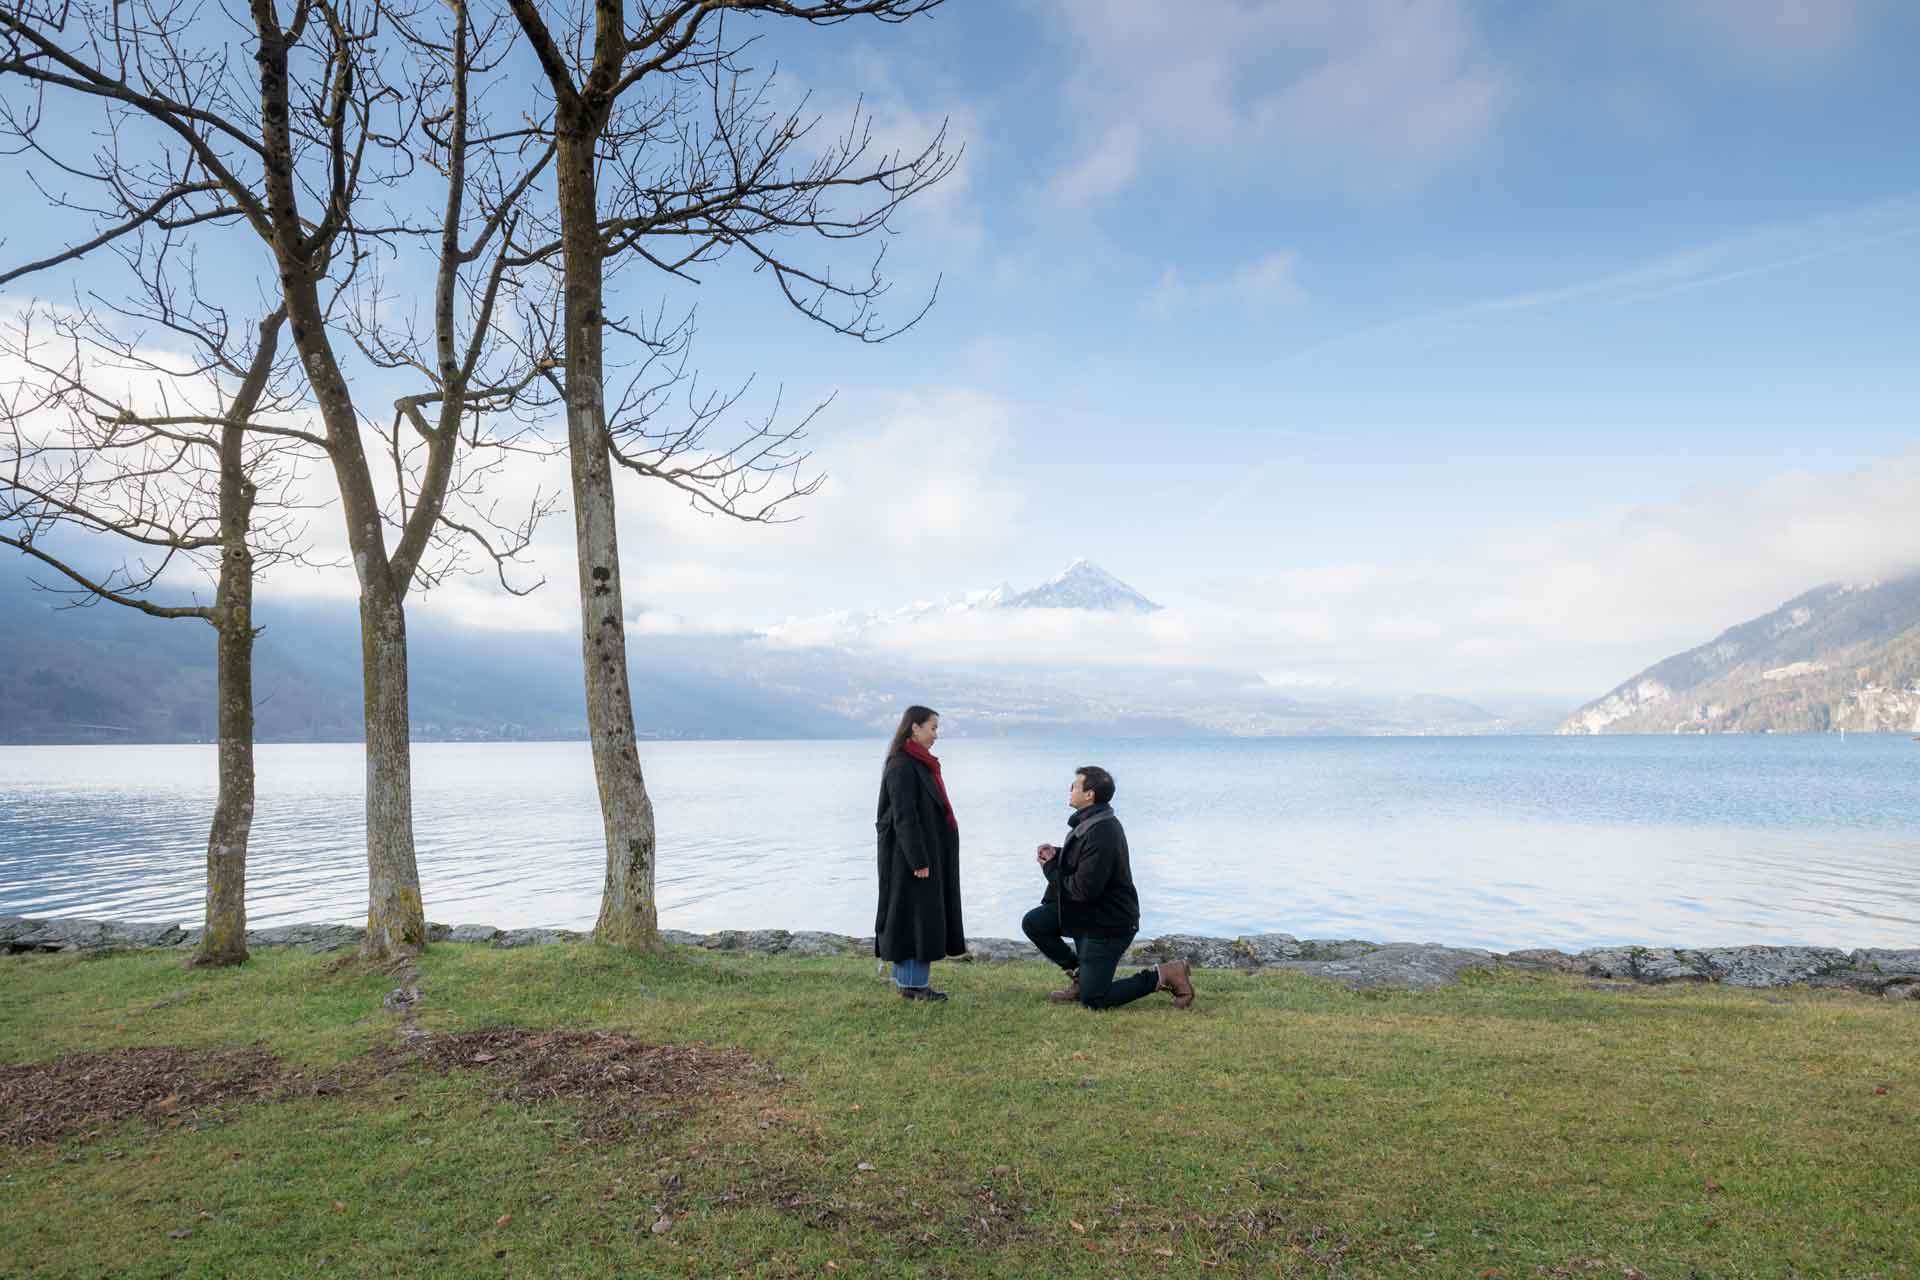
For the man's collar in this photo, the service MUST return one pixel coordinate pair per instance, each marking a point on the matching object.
(1081, 815)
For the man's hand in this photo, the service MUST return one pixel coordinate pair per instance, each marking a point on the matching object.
(1045, 854)
(923, 873)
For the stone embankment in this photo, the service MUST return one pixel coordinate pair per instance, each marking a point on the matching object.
(1894, 974)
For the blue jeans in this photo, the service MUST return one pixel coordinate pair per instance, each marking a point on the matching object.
(912, 973)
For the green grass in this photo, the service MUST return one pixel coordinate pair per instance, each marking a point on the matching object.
(1513, 1125)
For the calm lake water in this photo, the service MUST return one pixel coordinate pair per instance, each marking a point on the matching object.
(1496, 842)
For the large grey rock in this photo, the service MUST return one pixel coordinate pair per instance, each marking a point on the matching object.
(89, 935)
(12, 927)
(1268, 948)
(766, 942)
(160, 934)
(1769, 966)
(1343, 948)
(1608, 962)
(1891, 963)
(994, 950)
(1200, 952)
(314, 937)
(810, 943)
(472, 933)
(681, 938)
(1643, 964)
(1413, 965)
(439, 932)
(1664, 964)
(1851, 978)
(1542, 960)
(509, 938)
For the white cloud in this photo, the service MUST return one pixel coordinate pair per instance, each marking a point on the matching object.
(1108, 164)
(912, 502)
(1566, 609)
(1368, 95)
(1266, 283)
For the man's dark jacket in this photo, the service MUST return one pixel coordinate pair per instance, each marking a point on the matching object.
(917, 919)
(1099, 899)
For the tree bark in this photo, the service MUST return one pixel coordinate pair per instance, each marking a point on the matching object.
(225, 940)
(396, 917)
(628, 916)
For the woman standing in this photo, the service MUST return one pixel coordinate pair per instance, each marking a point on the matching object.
(919, 916)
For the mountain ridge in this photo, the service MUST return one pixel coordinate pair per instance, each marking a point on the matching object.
(1841, 656)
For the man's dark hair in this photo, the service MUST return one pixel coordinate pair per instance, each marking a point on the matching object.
(1096, 780)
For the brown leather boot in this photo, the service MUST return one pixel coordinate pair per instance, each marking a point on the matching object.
(1177, 976)
(1072, 993)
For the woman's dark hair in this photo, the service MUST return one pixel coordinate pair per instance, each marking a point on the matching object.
(912, 716)
(1096, 780)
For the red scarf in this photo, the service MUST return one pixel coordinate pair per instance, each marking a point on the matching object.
(932, 762)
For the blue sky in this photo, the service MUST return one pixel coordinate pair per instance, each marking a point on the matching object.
(1444, 345)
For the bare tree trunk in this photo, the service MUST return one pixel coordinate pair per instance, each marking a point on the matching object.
(225, 939)
(396, 917)
(628, 916)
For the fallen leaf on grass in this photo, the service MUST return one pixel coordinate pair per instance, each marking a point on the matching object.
(1164, 1253)
(1076, 1226)
(864, 1167)
(339, 1206)
(181, 1234)
(503, 1220)
(662, 1225)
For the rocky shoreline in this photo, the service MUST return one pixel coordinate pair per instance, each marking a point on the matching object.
(1892, 974)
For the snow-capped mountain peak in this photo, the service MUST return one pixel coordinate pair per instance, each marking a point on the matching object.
(1083, 585)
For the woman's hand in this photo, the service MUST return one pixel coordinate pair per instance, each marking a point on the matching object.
(923, 873)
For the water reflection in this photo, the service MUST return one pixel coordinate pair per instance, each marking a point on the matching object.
(1487, 842)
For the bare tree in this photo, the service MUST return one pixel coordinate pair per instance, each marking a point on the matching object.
(283, 144)
(175, 470)
(670, 154)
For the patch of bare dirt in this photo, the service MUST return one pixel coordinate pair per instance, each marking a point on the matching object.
(623, 1083)
(45, 1101)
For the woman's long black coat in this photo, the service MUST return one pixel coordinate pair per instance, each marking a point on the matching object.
(918, 919)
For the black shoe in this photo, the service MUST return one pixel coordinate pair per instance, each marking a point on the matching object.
(922, 993)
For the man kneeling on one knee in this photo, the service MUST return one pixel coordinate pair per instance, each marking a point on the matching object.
(1090, 898)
